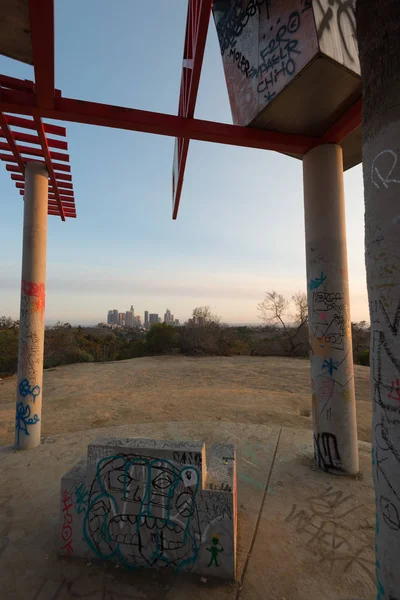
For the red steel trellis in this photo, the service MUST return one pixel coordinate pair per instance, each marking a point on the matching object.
(41, 100)
(61, 196)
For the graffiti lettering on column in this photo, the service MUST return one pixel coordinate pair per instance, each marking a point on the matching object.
(25, 389)
(382, 168)
(332, 534)
(144, 511)
(327, 452)
(329, 322)
(24, 419)
(66, 531)
(342, 13)
(29, 353)
(317, 282)
(36, 291)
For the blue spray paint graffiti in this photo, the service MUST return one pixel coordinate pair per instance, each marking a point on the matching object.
(331, 365)
(143, 511)
(81, 498)
(23, 419)
(317, 282)
(26, 389)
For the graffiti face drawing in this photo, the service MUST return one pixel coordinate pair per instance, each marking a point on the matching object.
(143, 510)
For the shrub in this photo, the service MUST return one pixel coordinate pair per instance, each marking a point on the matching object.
(161, 338)
(363, 357)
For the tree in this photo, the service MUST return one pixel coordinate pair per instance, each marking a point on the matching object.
(378, 36)
(274, 310)
(203, 317)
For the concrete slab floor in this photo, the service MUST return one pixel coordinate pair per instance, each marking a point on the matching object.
(301, 533)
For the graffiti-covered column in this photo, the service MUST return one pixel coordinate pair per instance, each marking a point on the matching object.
(334, 414)
(31, 325)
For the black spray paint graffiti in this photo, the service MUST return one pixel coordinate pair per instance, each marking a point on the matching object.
(326, 452)
(144, 510)
(329, 319)
(330, 537)
(339, 11)
(231, 24)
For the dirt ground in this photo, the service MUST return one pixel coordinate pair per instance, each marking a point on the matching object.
(243, 389)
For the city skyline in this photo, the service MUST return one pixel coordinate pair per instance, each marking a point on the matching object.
(130, 319)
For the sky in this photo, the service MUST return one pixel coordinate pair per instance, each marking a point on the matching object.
(240, 228)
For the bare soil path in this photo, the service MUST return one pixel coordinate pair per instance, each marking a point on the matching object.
(242, 389)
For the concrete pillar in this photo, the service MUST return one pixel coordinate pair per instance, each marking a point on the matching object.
(331, 356)
(31, 325)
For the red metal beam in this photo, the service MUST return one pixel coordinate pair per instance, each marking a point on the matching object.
(11, 145)
(42, 33)
(93, 113)
(30, 124)
(33, 139)
(47, 157)
(347, 123)
(54, 197)
(36, 152)
(197, 22)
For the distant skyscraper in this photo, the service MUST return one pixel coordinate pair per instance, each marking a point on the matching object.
(138, 321)
(110, 317)
(129, 318)
(167, 316)
(121, 319)
(153, 318)
(115, 316)
(146, 317)
(132, 309)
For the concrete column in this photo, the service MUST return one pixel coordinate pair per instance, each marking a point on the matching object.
(33, 293)
(332, 374)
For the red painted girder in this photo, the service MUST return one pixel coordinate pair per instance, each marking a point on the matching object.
(57, 214)
(36, 152)
(62, 185)
(33, 139)
(347, 123)
(57, 166)
(54, 197)
(198, 18)
(11, 145)
(21, 185)
(47, 157)
(42, 34)
(17, 84)
(30, 124)
(93, 113)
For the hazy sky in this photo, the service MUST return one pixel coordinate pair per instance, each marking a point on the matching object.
(240, 229)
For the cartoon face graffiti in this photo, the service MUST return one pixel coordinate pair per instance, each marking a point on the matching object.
(144, 511)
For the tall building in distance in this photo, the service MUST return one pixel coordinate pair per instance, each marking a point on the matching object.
(130, 318)
(132, 309)
(167, 316)
(146, 318)
(115, 316)
(153, 318)
(110, 317)
(138, 321)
